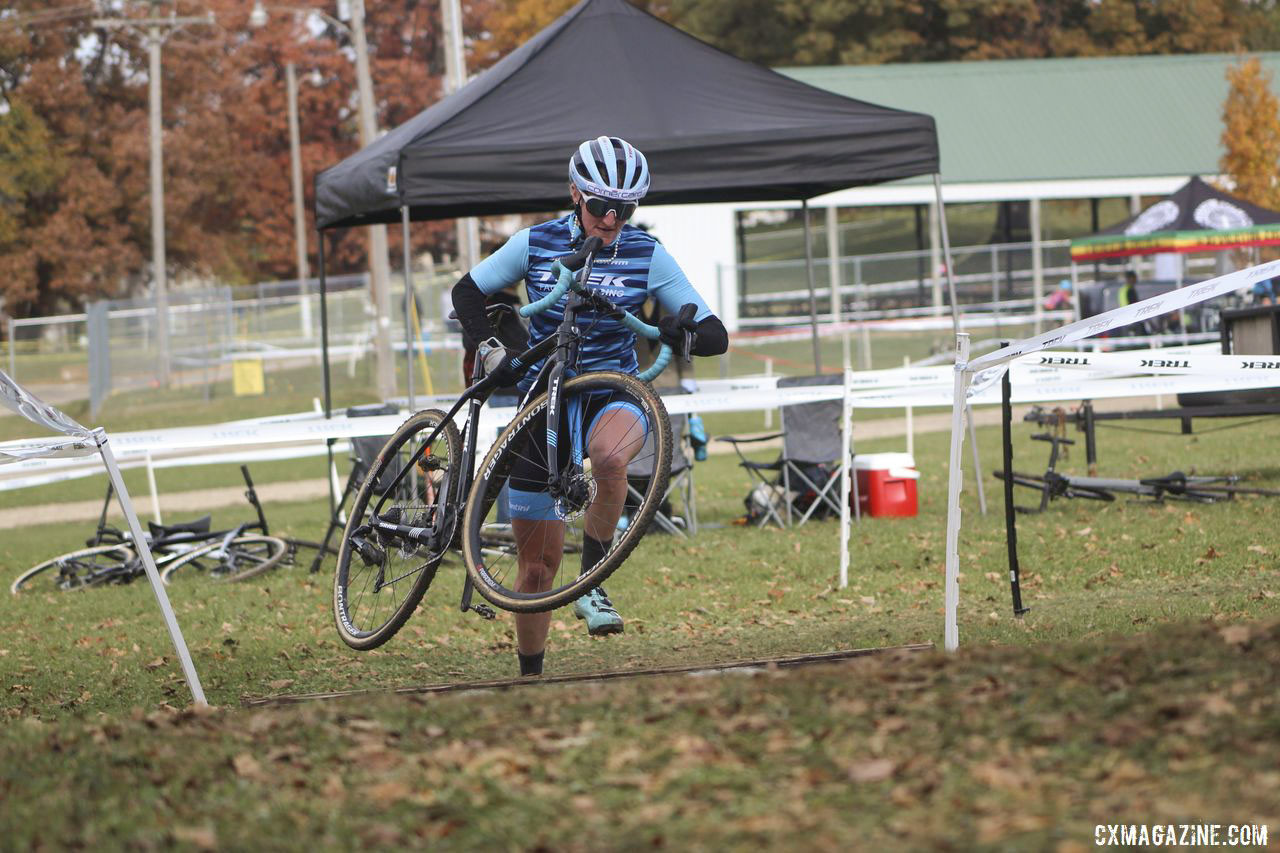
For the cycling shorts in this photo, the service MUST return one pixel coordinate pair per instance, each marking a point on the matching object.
(527, 488)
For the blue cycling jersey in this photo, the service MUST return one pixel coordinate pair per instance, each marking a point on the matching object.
(640, 269)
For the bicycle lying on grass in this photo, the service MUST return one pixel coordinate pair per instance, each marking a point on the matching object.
(111, 557)
(424, 498)
(1176, 486)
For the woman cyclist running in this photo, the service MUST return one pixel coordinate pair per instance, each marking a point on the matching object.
(608, 177)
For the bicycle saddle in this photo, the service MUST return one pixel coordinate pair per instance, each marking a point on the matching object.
(200, 525)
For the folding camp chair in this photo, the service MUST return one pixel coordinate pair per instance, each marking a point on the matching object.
(364, 452)
(681, 483)
(809, 466)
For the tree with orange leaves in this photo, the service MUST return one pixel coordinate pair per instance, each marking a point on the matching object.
(1251, 135)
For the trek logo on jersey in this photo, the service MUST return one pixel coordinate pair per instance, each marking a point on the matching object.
(610, 284)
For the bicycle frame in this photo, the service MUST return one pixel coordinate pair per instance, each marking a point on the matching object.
(561, 352)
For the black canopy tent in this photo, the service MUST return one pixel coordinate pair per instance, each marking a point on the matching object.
(713, 127)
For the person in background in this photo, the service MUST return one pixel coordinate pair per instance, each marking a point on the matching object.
(1127, 296)
(1060, 298)
(1264, 292)
(1129, 291)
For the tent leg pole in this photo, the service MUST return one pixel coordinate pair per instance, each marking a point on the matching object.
(946, 253)
(813, 299)
(408, 301)
(153, 574)
(324, 359)
(846, 460)
(1075, 299)
(977, 461)
(951, 628)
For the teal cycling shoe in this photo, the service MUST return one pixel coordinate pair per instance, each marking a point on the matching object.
(597, 609)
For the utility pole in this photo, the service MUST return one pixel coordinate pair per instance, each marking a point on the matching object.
(379, 268)
(156, 29)
(455, 65)
(295, 174)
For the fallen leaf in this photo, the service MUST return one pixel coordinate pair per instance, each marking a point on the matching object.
(280, 683)
(1258, 549)
(1211, 554)
(202, 837)
(246, 766)
(1217, 705)
(388, 793)
(875, 770)
(157, 663)
(1234, 635)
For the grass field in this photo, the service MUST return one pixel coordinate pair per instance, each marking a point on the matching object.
(1141, 687)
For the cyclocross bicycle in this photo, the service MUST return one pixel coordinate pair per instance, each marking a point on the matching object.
(110, 556)
(424, 497)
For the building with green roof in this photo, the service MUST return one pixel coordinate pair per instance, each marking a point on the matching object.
(1058, 120)
(1057, 147)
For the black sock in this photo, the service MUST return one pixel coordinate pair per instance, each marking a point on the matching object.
(530, 664)
(593, 551)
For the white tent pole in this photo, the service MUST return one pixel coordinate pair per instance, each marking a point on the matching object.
(149, 563)
(155, 496)
(410, 339)
(951, 629)
(946, 252)
(977, 462)
(1075, 297)
(846, 445)
(813, 299)
(955, 322)
(1037, 265)
(833, 278)
(911, 430)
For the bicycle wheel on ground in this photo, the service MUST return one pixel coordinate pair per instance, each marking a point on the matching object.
(397, 532)
(489, 538)
(79, 569)
(243, 557)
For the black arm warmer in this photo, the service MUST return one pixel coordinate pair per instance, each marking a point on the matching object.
(713, 338)
(468, 303)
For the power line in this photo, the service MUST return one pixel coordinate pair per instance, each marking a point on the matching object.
(48, 16)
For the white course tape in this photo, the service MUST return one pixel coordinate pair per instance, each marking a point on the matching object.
(1154, 361)
(1165, 303)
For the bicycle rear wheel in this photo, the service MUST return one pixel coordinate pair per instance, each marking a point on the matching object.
(244, 557)
(396, 535)
(79, 569)
(488, 542)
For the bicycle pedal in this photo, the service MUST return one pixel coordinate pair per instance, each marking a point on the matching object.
(484, 611)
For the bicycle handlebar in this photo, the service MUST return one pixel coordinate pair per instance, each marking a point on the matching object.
(563, 270)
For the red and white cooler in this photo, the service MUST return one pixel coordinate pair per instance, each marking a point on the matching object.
(886, 484)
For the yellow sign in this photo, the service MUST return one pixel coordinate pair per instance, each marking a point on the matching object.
(247, 379)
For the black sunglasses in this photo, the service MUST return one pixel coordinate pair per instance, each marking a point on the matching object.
(600, 207)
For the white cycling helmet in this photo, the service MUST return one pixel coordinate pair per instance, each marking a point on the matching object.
(610, 167)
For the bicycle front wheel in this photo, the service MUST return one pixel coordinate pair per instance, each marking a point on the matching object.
(490, 544)
(244, 557)
(397, 533)
(79, 569)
